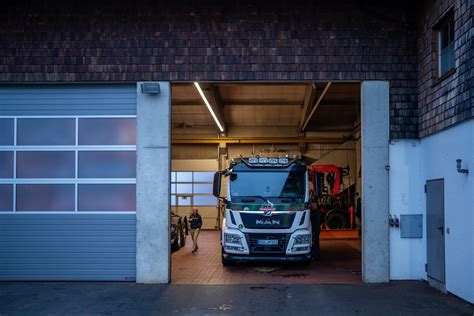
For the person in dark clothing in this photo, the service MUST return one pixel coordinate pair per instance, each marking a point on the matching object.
(195, 223)
(315, 217)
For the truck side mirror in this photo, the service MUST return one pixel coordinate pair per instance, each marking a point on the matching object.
(216, 185)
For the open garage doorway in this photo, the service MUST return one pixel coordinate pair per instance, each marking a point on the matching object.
(318, 123)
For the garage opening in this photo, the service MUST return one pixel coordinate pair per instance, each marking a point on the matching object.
(225, 125)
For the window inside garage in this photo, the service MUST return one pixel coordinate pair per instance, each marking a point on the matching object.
(192, 187)
(68, 164)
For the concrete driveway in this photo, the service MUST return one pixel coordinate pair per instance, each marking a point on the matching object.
(396, 298)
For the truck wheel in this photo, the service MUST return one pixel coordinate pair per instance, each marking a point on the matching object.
(226, 262)
(175, 245)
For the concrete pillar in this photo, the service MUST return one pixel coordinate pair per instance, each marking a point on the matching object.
(153, 185)
(375, 203)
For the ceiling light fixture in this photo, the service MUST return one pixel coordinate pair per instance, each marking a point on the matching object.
(196, 84)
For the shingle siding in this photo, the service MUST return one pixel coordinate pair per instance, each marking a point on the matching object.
(444, 103)
(180, 40)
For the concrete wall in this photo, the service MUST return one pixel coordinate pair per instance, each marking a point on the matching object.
(412, 163)
(153, 185)
(374, 139)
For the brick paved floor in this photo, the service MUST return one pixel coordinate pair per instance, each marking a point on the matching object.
(339, 264)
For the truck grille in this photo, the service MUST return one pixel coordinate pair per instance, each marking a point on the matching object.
(267, 250)
(275, 221)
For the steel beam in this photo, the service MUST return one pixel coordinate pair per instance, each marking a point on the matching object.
(333, 140)
(318, 102)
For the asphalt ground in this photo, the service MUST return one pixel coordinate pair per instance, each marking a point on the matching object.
(394, 298)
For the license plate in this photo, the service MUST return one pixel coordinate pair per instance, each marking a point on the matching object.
(267, 242)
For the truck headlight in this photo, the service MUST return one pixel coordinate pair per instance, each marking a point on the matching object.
(232, 239)
(302, 239)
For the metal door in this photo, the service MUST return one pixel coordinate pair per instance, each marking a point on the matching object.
(435, 233)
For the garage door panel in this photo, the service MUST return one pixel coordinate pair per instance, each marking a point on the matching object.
(66, 228)
(72, 256)
(65, 240)
(45, 234)
(66, 277)
(62, 247)
(68, 100)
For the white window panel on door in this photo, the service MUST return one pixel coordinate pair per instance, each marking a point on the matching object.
(184, 177)
(6, 164)
(46, 164)
(203, 176)
(183, 188)
(45, 197)
(107, 131)
(204, 200)
(173, 176)
(107, 164)
(46, 131)
(6, 197)
(107, 197)
(184, 200)
(202, 188)
(7, 131)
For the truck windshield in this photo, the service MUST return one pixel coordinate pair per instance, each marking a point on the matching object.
(285, 186)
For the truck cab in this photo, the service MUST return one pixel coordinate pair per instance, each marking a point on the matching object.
(266, 210)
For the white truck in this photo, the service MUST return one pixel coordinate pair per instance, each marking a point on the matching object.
(267, 217)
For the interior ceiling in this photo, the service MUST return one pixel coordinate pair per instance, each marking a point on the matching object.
(269, 104)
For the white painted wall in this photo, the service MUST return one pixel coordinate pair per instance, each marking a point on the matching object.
(407, 256)
(412, 163)
(439, 154)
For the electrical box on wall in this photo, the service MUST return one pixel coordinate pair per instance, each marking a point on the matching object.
(411, 226)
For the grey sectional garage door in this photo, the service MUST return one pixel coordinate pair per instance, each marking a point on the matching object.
(67, 182)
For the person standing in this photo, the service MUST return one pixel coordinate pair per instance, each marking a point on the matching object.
(195, 223)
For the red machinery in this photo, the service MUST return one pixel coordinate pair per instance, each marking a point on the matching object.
(336, 207)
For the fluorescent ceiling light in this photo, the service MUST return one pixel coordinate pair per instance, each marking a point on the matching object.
(196, 84)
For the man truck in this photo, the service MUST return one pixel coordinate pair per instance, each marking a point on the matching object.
(267, 217)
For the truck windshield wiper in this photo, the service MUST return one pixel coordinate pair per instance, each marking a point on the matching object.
(244, 199)
(289, 199)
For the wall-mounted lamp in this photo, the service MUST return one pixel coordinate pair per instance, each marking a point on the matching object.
(150, 88)
(458, 166)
